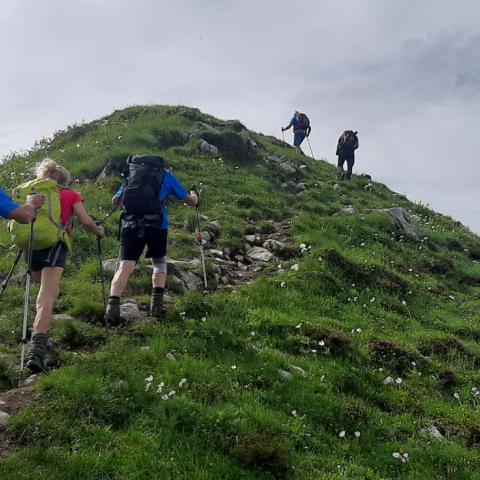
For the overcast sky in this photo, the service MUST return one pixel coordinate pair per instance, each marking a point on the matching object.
(404, 73)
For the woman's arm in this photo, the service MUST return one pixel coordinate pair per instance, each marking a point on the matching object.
(87, 221)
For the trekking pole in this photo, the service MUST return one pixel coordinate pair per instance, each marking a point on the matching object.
(108, 215)
(10, 273)
(26, 300)
(200, 242)
(311, 151)
(102, 272)
(283, 135)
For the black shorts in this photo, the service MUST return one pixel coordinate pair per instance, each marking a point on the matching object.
(55, 256)
(133, 242)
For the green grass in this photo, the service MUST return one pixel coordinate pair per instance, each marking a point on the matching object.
(366, 303)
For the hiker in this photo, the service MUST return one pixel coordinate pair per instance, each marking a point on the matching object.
(346, 146)
(47, 264)
(144, 222)
(301, 129)
(22, 214)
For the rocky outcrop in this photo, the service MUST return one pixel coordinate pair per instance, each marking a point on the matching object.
(402, 220)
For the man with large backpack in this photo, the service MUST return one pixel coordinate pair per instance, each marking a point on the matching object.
(21, 213)
(346, 146)
(144, 195)
(301, 129)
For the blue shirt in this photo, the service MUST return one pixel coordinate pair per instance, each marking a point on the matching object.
(171, 187)
(7, 205)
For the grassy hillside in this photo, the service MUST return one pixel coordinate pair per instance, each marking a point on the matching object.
(337, 368)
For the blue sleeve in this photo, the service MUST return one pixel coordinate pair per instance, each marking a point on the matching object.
(120, 191)
(7, 205)
(294, 121)
(173, 187)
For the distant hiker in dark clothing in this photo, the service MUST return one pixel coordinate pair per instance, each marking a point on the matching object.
(144, 197)
(346, 146)
(301, 129)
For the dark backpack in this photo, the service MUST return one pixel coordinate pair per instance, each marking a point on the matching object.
(143, 181)
(348, 142)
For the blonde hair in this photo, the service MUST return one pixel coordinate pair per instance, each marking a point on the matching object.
(49, 168)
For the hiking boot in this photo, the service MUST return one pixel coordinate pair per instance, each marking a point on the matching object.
(157, 307)
(112, 314)
(37, 352)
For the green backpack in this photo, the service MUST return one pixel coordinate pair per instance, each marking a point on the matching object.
(47, 229)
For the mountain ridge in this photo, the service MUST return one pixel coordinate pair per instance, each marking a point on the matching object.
(336, 361)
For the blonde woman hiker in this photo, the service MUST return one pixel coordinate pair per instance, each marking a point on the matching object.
(51, 245)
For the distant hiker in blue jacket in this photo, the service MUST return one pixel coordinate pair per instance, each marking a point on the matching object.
(301, 129)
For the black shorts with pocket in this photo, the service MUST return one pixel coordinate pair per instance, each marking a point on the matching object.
(134, 239)
(55, 256)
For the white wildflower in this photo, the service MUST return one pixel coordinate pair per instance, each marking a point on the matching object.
(321, 343)
(372, 299)
(342, 434)
(283, 284)
(357, 434)
(294, 413)
(252, 333)
(388, 380)
(294, 267)
(165, 397)
(160, 387)
(396, 455)
(233, 367)
(182, 382)
(456, 395)
(398, 381)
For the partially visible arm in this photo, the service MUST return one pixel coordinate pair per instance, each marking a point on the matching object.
(87, 221)
(118, 197)
(24, 214)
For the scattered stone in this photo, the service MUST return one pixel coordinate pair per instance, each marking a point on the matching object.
(206, 147)
(214, 228)
(261, 254)
(350, 209)
(402, 220)
(250, 238)
(216, 253)
(273, 158)
(273, 245)
(31, 380)
(388, 381)
(287, 167)
(4, 417)
(433, 432)
(285, 375)
(300, 370)
(189, 280)
(130, 311)
(110, 265)
(205, 236)
(62, 317)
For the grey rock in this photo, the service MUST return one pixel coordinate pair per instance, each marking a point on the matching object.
(261, 254)
(216, 253)
(189, 280)
(402, 220)
(206, 236)
(110, 265)
(31, 380)
(250, 238)
(214, 228)
(129, 311)
(287, 167)
(433, 432)
(300, 370)
(4, 417)
(285, 375)
(239, 258)
(350, 209)
(273, 158)
(272, 245)
(206, 147)
(63, 317)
